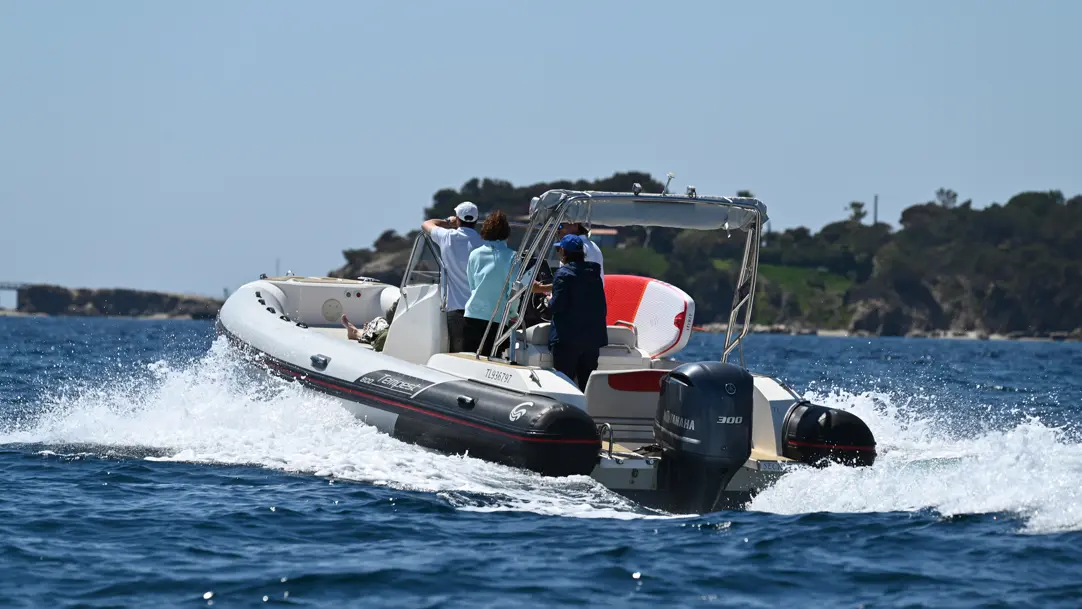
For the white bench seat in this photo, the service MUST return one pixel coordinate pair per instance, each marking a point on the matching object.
(618, 335)
(621, 353)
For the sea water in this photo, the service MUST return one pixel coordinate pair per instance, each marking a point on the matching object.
(148, 464)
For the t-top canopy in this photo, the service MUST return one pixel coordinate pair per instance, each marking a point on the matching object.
(672, 211)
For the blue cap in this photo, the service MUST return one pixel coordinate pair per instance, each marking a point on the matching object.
(571, 244)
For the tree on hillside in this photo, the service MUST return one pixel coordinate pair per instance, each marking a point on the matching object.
(489, 194)
(857, 213)
(1003, 268)
(946, 197)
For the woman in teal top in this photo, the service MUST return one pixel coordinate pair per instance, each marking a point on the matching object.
(487, 271)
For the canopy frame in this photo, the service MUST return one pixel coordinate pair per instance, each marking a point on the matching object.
(554, 207)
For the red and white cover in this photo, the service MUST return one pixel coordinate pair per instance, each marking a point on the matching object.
(661, 313)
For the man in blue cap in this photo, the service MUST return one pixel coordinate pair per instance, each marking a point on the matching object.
(578, 328)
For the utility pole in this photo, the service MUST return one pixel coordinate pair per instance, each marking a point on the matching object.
(875, 211)
(277, 273)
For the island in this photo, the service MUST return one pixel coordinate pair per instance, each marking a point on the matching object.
(43, 299)
(1011, 270)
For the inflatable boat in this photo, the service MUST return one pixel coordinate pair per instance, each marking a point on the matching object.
(684, 437)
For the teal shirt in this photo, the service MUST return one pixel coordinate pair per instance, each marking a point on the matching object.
(487, 271)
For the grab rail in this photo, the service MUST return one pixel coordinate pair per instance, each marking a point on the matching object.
(420, 244)
(608, 427)
(744, 301)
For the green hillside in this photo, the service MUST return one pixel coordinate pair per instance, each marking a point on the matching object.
(1005, 268)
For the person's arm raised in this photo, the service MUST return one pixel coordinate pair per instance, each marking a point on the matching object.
(429, 225)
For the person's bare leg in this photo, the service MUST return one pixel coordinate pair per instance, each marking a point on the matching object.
(351, 330)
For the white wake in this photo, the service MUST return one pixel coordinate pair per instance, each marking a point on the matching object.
(219, 409)
(1024, 468)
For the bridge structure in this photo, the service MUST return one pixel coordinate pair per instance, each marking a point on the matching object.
(10, 286)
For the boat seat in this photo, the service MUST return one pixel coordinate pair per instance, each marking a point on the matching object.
(336, 332)
(608, 358)
(622, 335)
(620, 354)
(621, 357)
(618, 335)
(538, 334)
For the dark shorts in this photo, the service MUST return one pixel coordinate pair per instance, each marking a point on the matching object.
(576, 361)
(456, 330)
(475, 331)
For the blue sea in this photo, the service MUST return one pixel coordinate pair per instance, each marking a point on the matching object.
(147, 464)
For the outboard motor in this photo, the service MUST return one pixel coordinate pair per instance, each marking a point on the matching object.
(703, 426)
(817, 435)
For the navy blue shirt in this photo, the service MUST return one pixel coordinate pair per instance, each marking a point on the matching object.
(578, 307)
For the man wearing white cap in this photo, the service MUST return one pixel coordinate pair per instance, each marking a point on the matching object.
(457, 238)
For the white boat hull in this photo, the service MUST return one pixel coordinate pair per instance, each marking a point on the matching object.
(522, 415)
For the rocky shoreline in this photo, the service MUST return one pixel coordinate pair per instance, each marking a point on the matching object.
(44, 300)
(720, 328)
(53, 300)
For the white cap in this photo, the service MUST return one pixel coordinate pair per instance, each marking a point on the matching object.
(467, 212)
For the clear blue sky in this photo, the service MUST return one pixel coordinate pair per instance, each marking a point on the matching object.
(184, 146)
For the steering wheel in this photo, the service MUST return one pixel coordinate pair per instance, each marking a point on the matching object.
(538, 310)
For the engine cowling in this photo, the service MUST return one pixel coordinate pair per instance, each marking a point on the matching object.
(703, 426)
(817, 435)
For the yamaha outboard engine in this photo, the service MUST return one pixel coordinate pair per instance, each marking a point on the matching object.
(818, 435)
(703, 425)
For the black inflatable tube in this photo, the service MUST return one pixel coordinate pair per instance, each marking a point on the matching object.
(528, 431)
(817, 435)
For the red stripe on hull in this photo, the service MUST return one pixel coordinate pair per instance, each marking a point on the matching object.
(308, 379)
